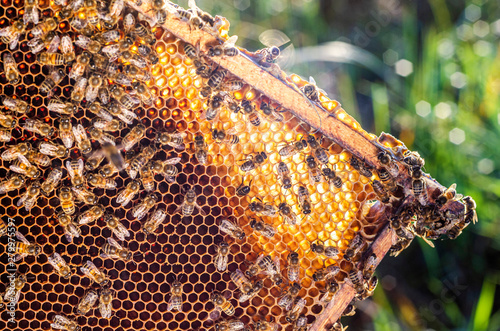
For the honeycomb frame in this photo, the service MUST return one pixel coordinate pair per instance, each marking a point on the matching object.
(193, 239)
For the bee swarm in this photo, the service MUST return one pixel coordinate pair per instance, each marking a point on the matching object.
(239, 197)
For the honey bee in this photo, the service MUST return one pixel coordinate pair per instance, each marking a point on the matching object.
(147, 179)
(24, 167)
(128, 22)
(51, 149)
(101, 137)
(89, 44)
(139, 161)
(379, 189)
(215, 79)
(354, 247)
(60, 265)
(288, 297)
(128, 193)
(133, 137)
(10, 68)
(87, 302)
(332, 178)
(267, 55)
(243, 190)
(54, 78)
(24, 248)
(67, 49)
(5, 135)
(220, 136)
(31, 12)
(136, 73)
(79, 88)
(37, 158)
(75, 171)
(98, 180)
(222, 303)
(248, 290)
(370, 265)
(114, 250)
(413, 159)
(64, 108)
(175, 302)
(107, 125)
(36, 126)
(314, 172)
(67, 200)
(329, 294)
(113, 223)
(149, 53)
(220, 260)
(300, 324)
(271, 114)
(105, 299)
(419, 190)
(47, 25)
(17, 105)
(448, 195)
(94, 84)
(272, 269)
(232, 229)
(11, 34)
(230, 325)
(145, 206)
(214, 104)
(3, 231)
(227, 48)
(360, 167)
(311, 90)
(325, 273)
(470, 211)
(13, 291)
(95, 274)
(286, 212)
(175, 139)
(293, 270)
(97, 109)
(154, 221)
(264, 229)
(262, 209)
(263, 325)
(29, 198)
(13, 152)
(60, 322)
(93, 161)
(294, 312)
(141, 32)
(7, 121)
(304, 200)
(329, 251)
(200, 149)
(249, 109)
(52, 59)
(82, 141)
(356, 279)
(70, 227)
(189, 204)
(386, 160)
(50, 41)
(80, 66)
(253, 161)
(91, 215)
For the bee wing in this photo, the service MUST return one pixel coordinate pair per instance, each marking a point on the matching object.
(114, 243)
(15, 40)
(105, 309)
(193, 6)
(231, 41)
(173, 160)
(66, 45)
(221, 262)
(276, 261)
(20, 236)
(54, 44)
(277, 38)
(19, 257)
(227, 226)
(24, 160)
(202, 212)
(22, 199)
(299, 305)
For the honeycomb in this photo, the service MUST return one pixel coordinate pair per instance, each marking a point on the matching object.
(184, 247)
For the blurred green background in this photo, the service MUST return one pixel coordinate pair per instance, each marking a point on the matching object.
(428, 72)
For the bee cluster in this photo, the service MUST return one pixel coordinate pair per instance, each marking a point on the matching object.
(241, 213)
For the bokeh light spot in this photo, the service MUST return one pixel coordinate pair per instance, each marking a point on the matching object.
(403, 67)
(423, 108)
(443, 110)
(472, 13)
(486, 166)
(457, 136)
(458, 79)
